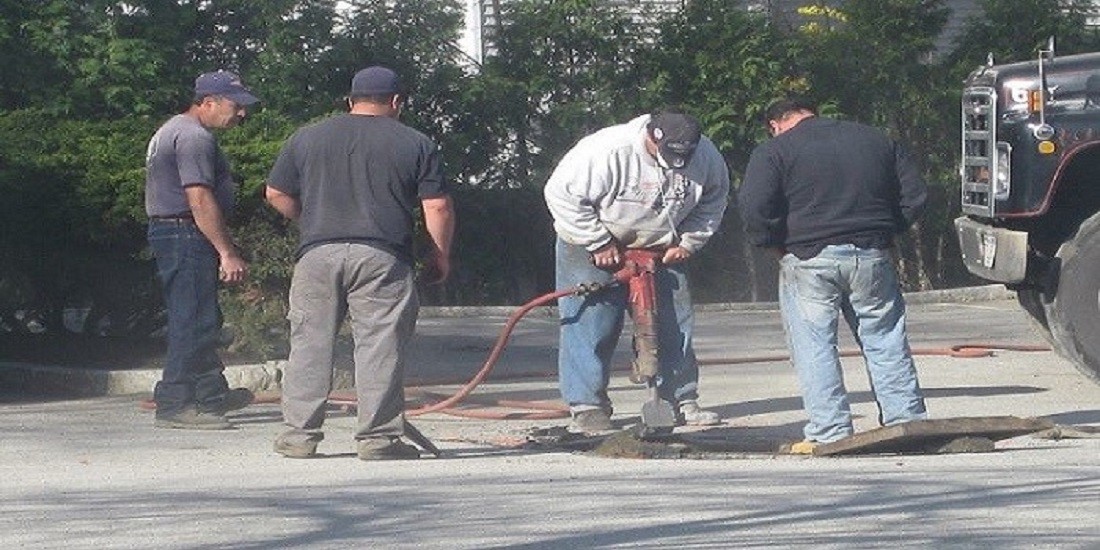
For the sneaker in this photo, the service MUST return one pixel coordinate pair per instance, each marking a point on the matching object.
(804, 447)
(233, 399)
(191, 419)
(590, 421)
(386, 448)
(694, 415)
(298, 444)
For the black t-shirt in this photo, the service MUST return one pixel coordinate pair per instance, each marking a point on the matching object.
(359, 179)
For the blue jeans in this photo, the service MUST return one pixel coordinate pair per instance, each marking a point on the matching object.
(863, 285)
(187, 266)
(591, 325)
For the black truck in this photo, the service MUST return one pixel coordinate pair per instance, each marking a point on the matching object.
(1030, 175)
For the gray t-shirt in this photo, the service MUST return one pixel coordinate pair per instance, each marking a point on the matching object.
(183, 153)
(359, 179)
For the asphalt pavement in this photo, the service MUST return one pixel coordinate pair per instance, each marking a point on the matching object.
(94, 473)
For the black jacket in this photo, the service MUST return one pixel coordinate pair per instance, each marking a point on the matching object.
(826, 182)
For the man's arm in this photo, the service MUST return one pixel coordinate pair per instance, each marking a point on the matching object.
(914, 192)
(287, 205)
(699, 225)
(762, 204)
(211, 222)
(439, 219)
(576, 185)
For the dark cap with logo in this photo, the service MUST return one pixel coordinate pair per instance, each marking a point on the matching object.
(224, 84)
(676, 135)
(375, 81)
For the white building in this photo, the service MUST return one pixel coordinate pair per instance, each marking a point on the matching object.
(481, 17)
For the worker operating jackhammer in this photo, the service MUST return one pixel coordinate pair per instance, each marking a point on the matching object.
(653, 183)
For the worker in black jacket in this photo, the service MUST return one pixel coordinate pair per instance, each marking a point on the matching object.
(828, 196)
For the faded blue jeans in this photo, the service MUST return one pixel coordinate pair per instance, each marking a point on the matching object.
(591, 326)
(187, 266)
(862, 285)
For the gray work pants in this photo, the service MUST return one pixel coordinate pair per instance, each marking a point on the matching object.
(374, 289)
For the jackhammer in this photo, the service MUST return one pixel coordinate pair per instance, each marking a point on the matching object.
(639, 274)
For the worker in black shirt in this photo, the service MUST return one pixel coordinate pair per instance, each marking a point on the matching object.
(356, 182)
(828, 196)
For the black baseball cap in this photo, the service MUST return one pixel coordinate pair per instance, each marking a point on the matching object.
(676, 135)
(224, 84)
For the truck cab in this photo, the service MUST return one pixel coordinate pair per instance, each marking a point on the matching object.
(1030, 193)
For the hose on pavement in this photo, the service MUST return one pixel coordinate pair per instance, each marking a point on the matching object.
(539, 410)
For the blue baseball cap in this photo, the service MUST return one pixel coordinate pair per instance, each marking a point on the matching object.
(375, 81)
(224, 84)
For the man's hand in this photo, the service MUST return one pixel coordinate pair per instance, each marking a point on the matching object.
(233, 269)
(607, 255)
(675, 255)
(211, 222)
(436, 269)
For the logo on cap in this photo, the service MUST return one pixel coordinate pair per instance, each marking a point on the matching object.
(676, 135)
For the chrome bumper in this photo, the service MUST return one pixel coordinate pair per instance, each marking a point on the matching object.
(992, 253)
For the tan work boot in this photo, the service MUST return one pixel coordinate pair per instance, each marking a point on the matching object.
(298, 443)
(804, 447)
(590, 421)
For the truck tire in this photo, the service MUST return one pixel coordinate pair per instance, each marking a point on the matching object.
(1073, 312)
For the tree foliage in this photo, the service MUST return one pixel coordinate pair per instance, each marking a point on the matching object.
(1015, 31)
(724, 65)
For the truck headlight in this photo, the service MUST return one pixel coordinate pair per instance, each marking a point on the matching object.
(1002, 182)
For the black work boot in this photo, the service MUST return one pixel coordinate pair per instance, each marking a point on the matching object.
(233, 399)
(191, 418)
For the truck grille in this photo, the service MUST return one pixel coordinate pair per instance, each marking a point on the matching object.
(979, 132)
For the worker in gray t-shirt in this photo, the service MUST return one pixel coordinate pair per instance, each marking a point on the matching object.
(188, 195)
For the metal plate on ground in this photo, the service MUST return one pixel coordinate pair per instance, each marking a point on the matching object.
(931, 436)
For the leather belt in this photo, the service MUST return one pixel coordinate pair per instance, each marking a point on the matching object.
(173, 219)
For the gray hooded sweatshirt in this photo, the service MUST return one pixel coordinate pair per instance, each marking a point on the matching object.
(608, 186)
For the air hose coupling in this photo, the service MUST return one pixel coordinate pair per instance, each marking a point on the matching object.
(584, 289)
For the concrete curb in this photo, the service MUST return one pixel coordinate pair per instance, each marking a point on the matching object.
(30, 379)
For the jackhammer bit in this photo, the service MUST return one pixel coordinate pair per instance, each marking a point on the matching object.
(638, 272)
